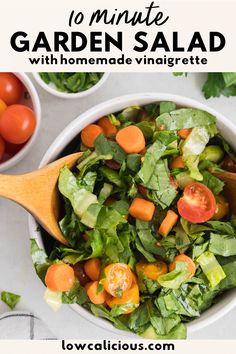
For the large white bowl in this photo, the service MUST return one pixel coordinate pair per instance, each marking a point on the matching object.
(30, 99)
(228, 300)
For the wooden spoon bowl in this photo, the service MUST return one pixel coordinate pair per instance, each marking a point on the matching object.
(37, 192)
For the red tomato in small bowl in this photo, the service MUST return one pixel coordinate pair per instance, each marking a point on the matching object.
(197, 204)
(11, 88)
(2, 148)
(17, 124)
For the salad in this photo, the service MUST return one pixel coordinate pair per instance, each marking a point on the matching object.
(151, 240)
(71, 82)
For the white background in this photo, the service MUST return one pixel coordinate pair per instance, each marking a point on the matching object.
(16, 270)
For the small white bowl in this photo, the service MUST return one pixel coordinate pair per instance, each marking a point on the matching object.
(51, 88)
(227, 300)
(31, 99)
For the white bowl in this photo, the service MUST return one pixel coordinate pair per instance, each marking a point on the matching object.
(228, 130)
(53, 90)
(32, 101)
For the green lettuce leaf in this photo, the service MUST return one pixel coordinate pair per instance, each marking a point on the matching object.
(174, 279)
(211, 268)
(222, 245)
(184, 118)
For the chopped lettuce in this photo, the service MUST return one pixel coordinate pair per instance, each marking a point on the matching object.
(184, 118)
(211, 268)
(174, 279)
(80, 198)
(193, 147)
(222, 245)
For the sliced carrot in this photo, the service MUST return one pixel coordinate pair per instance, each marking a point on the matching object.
(142, 209)
(90, 134)
(92, 268)
(131, 139)
(183, 258)
(184, 133)
(169, 222)
(97, 298)
(177, 162)
(108, 128)
(60, 277)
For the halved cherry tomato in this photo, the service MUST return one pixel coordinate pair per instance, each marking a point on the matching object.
(118, 277)
(97, 298)
(183, 258)
(3, 106)
(17, 124)
(60, 277)
(152, 270)
(222, 208)
(130, 296)
(11, 88)
(2, 148)
(197, 204)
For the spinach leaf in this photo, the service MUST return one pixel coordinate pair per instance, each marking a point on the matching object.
(103, 146)
(10, 299)
(77, 295)
(212, 182)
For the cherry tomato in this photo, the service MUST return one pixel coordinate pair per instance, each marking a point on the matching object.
(152, 270)
(222, 208)
(118, 277)
(13, 148)
(130, 296)
(197, 204)
(2, 148)
(80, 273)
(11, 88)
(17, 124)
(3, 106)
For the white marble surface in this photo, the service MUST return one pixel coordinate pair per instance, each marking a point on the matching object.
(17, 274)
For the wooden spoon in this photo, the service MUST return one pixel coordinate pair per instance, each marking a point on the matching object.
(37, 192)
(229, 178)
